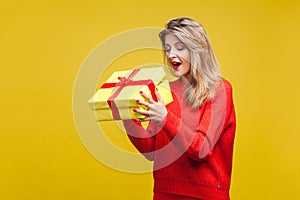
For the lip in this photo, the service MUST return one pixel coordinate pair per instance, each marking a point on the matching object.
(176, 68)
(176, 65)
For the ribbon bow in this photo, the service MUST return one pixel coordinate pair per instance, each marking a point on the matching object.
(124, 81)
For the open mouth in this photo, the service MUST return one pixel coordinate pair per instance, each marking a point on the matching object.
(176, 65)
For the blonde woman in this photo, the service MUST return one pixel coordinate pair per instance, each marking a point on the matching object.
(191, 139)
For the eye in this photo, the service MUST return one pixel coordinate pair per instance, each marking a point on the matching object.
(167, 49)
(180, 48)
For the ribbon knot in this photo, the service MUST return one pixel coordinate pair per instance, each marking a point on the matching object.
(124, 81)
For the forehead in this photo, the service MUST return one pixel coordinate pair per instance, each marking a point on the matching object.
(171, 39)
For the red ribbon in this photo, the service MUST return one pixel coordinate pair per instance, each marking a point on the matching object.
(123, 83)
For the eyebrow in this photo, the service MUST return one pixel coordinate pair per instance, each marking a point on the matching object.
(179, 42)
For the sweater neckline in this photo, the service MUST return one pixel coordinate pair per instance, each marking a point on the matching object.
(178, 84)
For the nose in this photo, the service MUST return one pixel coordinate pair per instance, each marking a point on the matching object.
(171, 54)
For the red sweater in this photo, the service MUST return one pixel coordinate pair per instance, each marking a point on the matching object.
(192, 150)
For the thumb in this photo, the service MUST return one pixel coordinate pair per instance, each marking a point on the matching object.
(159, 98)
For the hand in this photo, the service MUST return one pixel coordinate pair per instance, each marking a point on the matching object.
(157, 111)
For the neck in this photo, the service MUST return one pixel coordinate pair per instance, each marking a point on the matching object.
(184, 78)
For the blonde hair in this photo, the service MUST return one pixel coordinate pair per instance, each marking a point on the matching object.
(204, 73)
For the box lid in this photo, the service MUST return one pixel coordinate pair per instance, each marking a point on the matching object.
(128, 95)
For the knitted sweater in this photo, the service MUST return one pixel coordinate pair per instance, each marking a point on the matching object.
(191, 149)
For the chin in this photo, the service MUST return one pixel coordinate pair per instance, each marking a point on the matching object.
(176, 73)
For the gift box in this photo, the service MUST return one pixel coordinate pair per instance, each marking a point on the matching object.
(116, 98)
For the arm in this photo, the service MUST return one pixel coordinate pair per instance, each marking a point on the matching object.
(143, 140)
(198, 144)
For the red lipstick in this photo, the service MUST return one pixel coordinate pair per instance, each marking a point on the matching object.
(176, 65)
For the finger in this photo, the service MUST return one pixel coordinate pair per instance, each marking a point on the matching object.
(143, 112)
(159, 98)
(146, 97)
(137, 119)
(144, 103)
(145, 119)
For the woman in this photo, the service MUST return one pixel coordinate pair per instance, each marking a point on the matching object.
(191, 139)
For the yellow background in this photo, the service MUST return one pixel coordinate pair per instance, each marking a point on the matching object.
(43, 44)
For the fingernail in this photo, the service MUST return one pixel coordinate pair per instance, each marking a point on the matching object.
(138, 101)
(136, 121)
(156, 89)
(134, 110)
(141, 92)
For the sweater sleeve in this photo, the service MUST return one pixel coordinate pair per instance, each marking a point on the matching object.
(143, 140)
(199, 143)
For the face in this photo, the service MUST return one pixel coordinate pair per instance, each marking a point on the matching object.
(178, 55)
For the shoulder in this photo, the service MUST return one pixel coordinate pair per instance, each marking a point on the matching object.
(223, 92)
(224, 86)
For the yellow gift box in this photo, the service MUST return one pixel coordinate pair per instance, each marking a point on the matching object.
(117, 97)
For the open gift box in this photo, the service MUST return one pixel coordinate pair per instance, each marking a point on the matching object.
(116, 98)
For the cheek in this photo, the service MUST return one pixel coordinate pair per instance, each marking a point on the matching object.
(167, 56)
(187, 61)
(186, 56)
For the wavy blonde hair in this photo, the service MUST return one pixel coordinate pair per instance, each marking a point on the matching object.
(204, 73)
